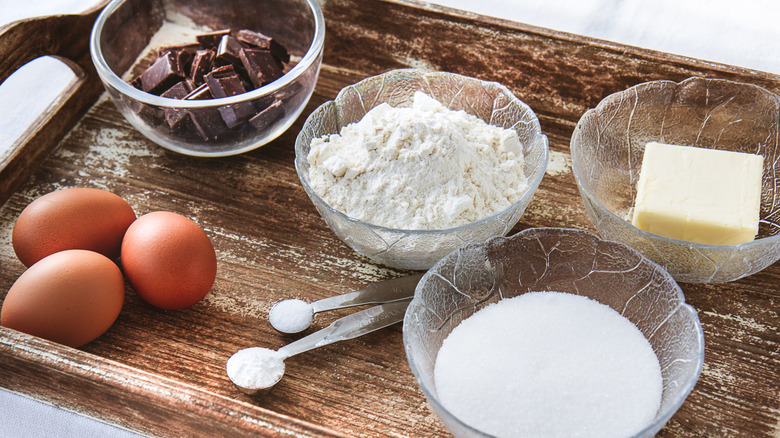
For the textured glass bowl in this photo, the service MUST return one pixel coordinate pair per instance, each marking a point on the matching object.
(420, 249)
(562, 260)
(607, 148)
(125, 28)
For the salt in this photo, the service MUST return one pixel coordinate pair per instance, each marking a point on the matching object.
(549, 364)
(291, 316)
(255, 367)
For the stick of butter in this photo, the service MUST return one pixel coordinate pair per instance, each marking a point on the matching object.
(700, 195)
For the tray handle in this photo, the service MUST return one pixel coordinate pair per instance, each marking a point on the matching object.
(65, 37)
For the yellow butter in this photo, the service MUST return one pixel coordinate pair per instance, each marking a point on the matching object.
(700, 195)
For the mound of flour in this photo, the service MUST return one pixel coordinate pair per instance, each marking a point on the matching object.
(419, 168)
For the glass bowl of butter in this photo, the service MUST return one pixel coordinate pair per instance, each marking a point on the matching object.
(409, 165)
(687, 174)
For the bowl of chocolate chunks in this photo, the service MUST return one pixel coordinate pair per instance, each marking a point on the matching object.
(208, 78)
(687, 174)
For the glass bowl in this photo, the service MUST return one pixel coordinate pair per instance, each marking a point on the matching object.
(127, 34)
(561, 260)
(420, 249)
(608, 144)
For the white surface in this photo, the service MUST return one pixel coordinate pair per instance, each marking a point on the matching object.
(28, 418)
(740, 33)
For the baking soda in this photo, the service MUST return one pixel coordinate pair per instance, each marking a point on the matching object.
(549, 364)
(255, 367)
(420, 168)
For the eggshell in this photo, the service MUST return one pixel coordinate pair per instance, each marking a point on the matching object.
(70, 297)
(75, 218)
(169, 260)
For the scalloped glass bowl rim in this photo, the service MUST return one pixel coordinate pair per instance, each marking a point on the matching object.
(646, 234)
(660, 420)
(530, 191)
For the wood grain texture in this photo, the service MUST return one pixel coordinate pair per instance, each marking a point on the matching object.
(162, 372)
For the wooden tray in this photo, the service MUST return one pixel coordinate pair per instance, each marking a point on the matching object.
(162, 373)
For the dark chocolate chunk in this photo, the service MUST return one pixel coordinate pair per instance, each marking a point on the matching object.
(228, 50)
(184, 58)
(137, 83)
(211, 40)
(162, 75)
(189, 48)
(178, 91)
(260, 65)
(200, 93)
(176, 116)
(290, 90)
(206, 121)
(261, 41)
(237, 113)
(202, 63)
(224, 81)
(269, 115)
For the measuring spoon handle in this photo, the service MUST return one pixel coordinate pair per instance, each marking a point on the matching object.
(376, 293)
(350, 326)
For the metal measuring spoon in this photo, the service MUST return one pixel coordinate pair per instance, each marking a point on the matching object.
(295, 316)
(255, 370)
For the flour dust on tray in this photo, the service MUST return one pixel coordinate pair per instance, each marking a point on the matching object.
(420, 168)
(549, 364)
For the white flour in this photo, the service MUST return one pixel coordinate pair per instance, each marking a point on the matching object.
(424, 167)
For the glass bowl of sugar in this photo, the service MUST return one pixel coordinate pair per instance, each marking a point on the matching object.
(549, 332)
(709, 116)
(408, 165)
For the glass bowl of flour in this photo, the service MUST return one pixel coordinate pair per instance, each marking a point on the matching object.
(552, 332)
(409, 165)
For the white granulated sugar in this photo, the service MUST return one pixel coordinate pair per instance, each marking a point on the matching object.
(291, 316)
(549, 364)
(255, 367)
(424, 167)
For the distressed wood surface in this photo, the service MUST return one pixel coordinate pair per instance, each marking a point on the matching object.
(161, 373)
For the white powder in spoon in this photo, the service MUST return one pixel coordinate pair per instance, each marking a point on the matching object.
(255, 367)
(424, 167)
(291, 316)
(549, 364)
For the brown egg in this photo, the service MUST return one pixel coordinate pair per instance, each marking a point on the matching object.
(76, 218)
(70, 297)
(169, 260)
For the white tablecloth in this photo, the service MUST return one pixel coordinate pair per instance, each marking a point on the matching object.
(739, 33)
